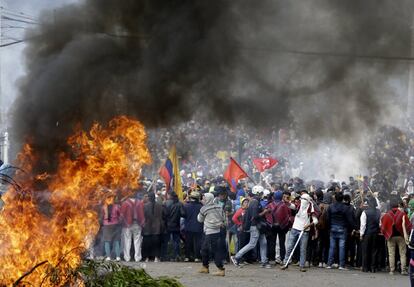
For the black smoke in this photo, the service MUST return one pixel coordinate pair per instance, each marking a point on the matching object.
(320, 63)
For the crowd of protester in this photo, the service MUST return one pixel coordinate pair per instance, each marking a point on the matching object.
(340, 225)
(364, 223)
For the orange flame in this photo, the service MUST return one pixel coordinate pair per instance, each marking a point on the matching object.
(57, 225)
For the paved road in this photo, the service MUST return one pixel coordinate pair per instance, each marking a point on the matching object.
(248, 276)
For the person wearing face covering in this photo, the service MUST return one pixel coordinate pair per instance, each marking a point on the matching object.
(213, 218)
(304, 219)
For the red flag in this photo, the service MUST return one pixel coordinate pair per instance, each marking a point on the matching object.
(233, 174)
(264, 163)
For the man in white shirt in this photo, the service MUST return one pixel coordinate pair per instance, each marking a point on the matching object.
(304, 219)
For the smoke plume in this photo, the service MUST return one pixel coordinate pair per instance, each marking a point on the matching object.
(325, 65)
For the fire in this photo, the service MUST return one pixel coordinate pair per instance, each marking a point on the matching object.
(55, 227)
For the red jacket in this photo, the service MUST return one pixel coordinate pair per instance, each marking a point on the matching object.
(394, 218)
(238, 216)
(127, 212)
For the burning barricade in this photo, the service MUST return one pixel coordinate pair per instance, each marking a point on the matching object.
(45, 226)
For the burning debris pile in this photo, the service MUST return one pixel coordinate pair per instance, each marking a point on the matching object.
(51, 218)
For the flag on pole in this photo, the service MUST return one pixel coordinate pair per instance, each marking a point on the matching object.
(170, 172)
(233, 174)
(264, 163)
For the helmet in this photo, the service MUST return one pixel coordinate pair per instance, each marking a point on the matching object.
(257, 189)
(266, 192)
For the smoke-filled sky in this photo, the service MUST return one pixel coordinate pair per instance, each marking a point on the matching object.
(12, 60)
(333, 67)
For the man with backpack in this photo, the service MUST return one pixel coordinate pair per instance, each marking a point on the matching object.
(392, 228)
(280, 215)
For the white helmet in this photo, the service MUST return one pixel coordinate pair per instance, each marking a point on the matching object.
(257, 189)
(266, 192)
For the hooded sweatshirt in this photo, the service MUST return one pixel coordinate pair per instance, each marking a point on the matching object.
(212, 215)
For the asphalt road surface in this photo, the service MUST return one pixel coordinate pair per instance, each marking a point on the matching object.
(253, 275)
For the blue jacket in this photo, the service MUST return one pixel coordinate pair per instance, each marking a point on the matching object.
(341, 215)
(191, 210)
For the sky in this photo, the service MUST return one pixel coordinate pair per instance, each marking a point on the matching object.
(12, 62)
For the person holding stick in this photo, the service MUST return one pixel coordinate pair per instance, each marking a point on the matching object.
(299, 233)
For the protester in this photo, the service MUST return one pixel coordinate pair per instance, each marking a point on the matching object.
(369, 229)
(213, 218)
(340, 219)
(253, 217)
(174, 211)
(391, 227)
(411, 252)
(304, 219)
(151, 244)
(133, 220)
(111, 227)
(193, 228)
(281, 219)
(238, 219)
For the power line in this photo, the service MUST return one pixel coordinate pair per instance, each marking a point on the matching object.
(12, 43)
(4, 17)
(11, 23)
(18, 14)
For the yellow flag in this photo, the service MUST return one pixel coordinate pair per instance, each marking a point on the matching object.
(178, 189)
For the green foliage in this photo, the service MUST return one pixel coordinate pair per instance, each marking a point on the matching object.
(110, 274)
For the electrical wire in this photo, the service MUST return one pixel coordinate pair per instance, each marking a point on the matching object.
(7, 18)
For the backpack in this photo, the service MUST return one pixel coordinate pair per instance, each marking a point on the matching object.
(281, 216)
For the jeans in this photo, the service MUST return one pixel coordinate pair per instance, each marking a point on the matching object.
(175, 236)
(212, 242)
(133, 232)
(116, 247)
(293, 237)
(255, 237)
(338, 233)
